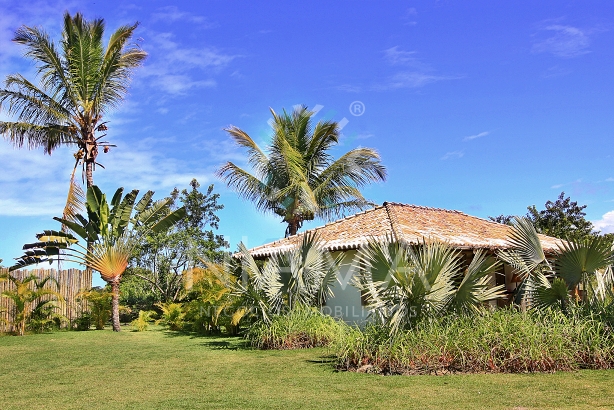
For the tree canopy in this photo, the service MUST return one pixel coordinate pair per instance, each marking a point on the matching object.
(296, 177)
(562, 218)
(80, 80)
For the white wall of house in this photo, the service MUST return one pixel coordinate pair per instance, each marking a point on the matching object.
(346, 304)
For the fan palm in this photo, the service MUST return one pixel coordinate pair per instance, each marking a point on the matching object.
(302, 276)
(80, 81)
(586, 261)
(403, 284)
(296, 177)
(111, 233)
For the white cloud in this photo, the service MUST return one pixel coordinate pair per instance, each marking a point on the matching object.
(410, 17)
(33, 184)
(171, 14)
(412, 79)
(452, 154)
(564, 41)
(606, 223)
(349, 88)
(175, 69)
(480, 135)
(395, 56)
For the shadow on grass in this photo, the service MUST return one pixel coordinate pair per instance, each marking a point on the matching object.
(235, 343)
(213, 341)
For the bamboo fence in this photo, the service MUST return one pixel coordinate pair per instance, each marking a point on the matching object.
(70, 282)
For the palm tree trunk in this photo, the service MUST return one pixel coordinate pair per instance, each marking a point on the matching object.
(89, 177)
(115, 305)
(293, 227)
(89, 173)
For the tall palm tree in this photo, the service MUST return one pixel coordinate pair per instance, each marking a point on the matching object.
(80, 81)
(296, 177)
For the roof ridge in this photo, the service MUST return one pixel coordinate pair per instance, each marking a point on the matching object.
(393, 219)
(429, 208)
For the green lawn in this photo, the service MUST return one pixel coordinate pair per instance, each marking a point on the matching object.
(161, 370)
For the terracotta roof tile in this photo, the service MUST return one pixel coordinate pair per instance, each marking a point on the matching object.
(409, 223)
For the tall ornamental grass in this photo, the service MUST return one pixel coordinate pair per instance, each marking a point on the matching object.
(501, 341)
(302, 327)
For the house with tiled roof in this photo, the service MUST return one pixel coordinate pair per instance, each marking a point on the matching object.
(409, 224)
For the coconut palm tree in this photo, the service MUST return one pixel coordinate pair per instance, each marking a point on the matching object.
(111, 232)
(296, 177)
(80, 81)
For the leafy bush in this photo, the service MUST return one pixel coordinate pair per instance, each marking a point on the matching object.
(142, 322)
(405, 284)
(99, 307)
(172, 315)
(303, 327)
(44, 317)
(211, 304)
(500, 341)
(82, 322)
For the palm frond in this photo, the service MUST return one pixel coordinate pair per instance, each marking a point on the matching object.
(578, 259)
(476, 286)
(74, 202)
(110, 258)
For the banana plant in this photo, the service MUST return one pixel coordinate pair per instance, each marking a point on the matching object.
(111, 231)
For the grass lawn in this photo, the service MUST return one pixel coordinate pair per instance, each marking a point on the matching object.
(162, 370)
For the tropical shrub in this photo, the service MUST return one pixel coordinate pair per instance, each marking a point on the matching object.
(504, 340)
(99, 309)
(44, 317)
(210, 301)
(582, 267)
(172, 316)
(404, 284)
(302, 276)
(303, 327)
(141, 323)
(24, 293)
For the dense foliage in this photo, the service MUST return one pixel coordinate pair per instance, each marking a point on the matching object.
(300, 328)
(404, 284)
(562, 218)
(504, 340)
(160, 258)
(34, 303)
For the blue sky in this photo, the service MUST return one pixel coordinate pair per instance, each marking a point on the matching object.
(484, 107)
